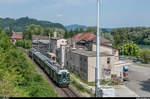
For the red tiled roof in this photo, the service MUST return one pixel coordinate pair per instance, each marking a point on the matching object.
(102, 39)
(83, 36)
(16, 37)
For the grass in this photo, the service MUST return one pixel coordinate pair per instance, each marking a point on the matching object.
(77, 76)
(80, 87)
(103, 82)
(38, 86)
(109, 83)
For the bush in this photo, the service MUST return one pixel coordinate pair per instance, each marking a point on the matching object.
(18, 77)
(129, 48)
(145, 55)
(27, 44)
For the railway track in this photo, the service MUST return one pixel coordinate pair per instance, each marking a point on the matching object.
(69, 92)
(64, 92)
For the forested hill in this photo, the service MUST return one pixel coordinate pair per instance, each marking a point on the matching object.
(18, 25)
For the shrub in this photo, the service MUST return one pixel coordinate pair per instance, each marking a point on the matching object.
(27, 44)
(145, 55)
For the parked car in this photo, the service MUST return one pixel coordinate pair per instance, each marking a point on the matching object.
(121, 58)
(134, 60)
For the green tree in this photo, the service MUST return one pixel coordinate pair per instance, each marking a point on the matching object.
(27, 44)
(108, 36)
(129, 48)
(32, 29)
(145, 55)
(71, 33)
(81, 30)
(9, 31)
(92, 29)
(48, 31)
(66, 34)
(76, 31)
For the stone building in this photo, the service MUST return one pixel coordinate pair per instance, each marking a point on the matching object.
(84, 62)
(106, 46)
(56, 43)
(60, 53)
(82, 58)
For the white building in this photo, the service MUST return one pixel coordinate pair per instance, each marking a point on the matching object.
(56, 43)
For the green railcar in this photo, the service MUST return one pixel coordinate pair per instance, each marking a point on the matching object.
(60, 76)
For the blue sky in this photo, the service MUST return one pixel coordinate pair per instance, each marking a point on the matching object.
(114, 13)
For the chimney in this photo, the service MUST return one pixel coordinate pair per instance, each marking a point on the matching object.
(74, 45)
(55, 33)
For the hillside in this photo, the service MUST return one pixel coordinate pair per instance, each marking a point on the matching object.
(18, 25)
(74, 26)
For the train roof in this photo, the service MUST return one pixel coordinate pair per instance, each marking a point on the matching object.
(55, 66)
(48, 61)
(33, 50)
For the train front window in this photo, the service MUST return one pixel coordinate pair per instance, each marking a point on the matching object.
(64, 75)
(68, 75)
(59, 76)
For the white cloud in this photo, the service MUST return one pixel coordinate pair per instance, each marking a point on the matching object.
(60, 15)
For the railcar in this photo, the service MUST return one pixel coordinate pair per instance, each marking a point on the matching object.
(60, 76)
(31, 52)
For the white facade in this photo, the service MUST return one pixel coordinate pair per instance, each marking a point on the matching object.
(56, 43)
(61, 55)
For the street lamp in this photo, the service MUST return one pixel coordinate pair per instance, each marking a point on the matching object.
(49, 42)
(98, 92)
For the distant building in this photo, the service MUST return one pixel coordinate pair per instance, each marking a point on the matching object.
(52, 56)
(55, 33)
(15, 38)
(17, 33)
(81, 40)
(39, 37)
(56, 43)
(41, 43)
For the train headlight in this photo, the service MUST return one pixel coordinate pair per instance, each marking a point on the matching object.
(64, 80)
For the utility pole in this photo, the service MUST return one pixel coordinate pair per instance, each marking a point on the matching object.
(49, 42)
(38, 44)
(98, 91)
(32, 49)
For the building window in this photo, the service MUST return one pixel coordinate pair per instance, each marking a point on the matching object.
(85, 59)
(108, 60)
(114, 52)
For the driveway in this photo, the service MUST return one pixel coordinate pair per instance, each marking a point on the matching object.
(139, 80)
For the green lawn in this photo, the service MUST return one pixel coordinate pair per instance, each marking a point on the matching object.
(80, 87)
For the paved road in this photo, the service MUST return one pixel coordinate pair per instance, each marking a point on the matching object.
(139, 80)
